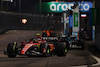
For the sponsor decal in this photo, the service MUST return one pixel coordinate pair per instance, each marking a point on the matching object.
(63, 6)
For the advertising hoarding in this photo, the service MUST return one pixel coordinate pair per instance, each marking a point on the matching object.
(62, 6)
(70, 21)
(76, 20)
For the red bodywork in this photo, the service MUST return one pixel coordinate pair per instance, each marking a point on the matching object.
(48, 32)
(28, 45)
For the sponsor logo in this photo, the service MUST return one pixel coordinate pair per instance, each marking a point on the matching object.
(63, 6)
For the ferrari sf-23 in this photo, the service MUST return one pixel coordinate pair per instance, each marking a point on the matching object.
(37, 46)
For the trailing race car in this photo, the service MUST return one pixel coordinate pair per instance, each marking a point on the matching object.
(75, 43)
(36, 46)
(49, 35)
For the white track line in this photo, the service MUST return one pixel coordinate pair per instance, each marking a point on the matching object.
(79, 66)
(96, 58)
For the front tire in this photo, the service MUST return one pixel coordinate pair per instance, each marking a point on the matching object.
(11, 49)
(61, 48)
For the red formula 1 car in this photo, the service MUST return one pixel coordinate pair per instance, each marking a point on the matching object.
(36, 46)
(45, 46)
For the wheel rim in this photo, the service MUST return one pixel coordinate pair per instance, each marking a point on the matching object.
(65, 50)
(48, 51)
(14, 47)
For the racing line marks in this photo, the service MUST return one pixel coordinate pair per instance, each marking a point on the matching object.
(3, 38)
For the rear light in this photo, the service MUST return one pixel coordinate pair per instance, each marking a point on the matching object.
(44, 50)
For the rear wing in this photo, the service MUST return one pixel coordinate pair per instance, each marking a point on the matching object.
(50, 38)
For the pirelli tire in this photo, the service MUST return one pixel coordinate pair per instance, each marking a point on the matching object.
(12, 49)
(61, 48)
(45, 46)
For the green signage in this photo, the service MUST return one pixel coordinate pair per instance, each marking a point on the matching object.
(53, 6)
(76, 20)
(63, 6)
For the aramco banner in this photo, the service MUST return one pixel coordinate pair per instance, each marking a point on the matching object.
(63, 6)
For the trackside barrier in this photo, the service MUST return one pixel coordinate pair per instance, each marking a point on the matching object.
(13, 21)
(91, 47)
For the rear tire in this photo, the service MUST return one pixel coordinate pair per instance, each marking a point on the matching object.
(47, 54)
(61, 48)
(12, 50)
(45, 46)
